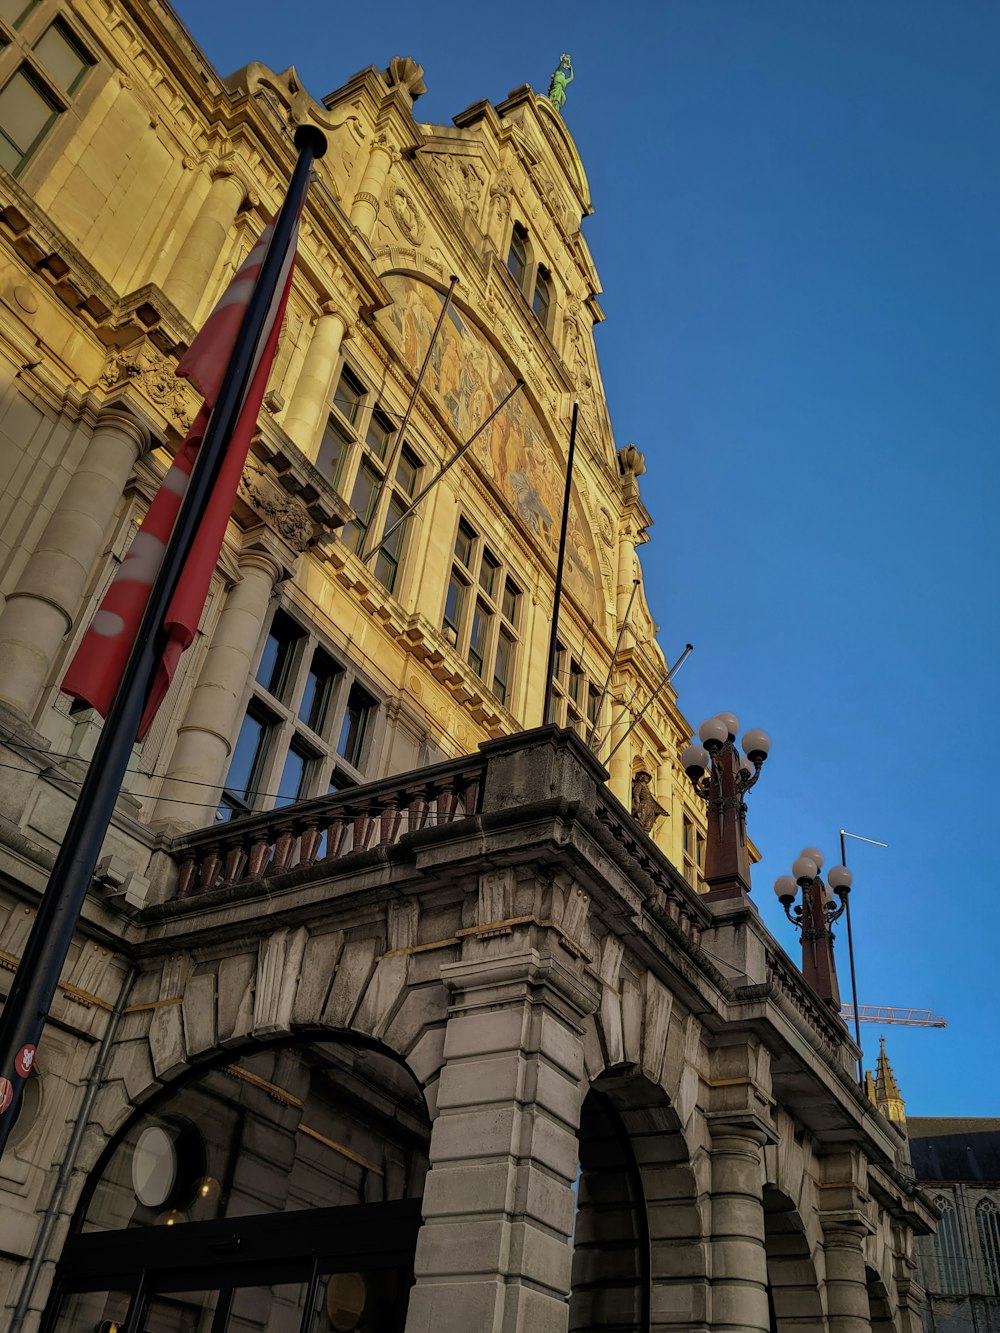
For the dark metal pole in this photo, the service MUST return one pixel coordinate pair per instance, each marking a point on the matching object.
(397, 445)
(460, 453)
(688, 649)
(559, 567)
(37, 976)
(614, 658)
(854, 983)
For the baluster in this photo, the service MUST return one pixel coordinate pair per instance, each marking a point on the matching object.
(336, 836)
(233, 863)
(283, 845)
(446, 801)
(470, 798)
(209, 867)
(390, 820)
(260, 849)
(362, 829)
(310, 840)
(417, 812)
(186, 875)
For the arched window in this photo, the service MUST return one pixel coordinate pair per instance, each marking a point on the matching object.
(517, 259)
(948, 1251)
(988, 1226)
(541, 302)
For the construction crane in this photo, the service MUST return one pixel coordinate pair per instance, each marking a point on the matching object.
(882, 1013)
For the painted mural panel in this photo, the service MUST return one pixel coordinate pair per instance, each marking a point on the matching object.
(468, 379)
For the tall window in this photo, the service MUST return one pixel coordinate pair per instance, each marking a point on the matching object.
(534, 280)
(694, 855)
(307, 728)
(517, 257)
(541, 301)
(482, 611)
(988, 1227)
(356, 450)
(42, 85)
(948, 1251)
(575, 697)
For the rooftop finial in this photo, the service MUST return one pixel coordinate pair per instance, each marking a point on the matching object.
(561, 78)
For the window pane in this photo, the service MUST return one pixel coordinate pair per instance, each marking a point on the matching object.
(517, 260)
(61, 56)
(248, 755)
(387, 561)
(275, 669)
(25, 113)
(489, 571)
(575, 681)
(294, 775)
(593, 699)
(332, 452)
(16, 10)
(360, 709)
(477, 639)
(315, 705)
(511, 602)
(543, 297)
(406, 471)
(501, 671)
(453, 605)
(362, 502)
(463, 543)
(347, 398)
(379, 431)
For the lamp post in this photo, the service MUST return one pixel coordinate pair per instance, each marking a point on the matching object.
(721, 777)
(814, 916)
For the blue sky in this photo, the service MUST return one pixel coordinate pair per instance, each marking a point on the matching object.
(797, 229)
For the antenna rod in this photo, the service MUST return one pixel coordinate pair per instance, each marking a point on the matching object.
(614, 659)
(397, 446)
(669, 675)
(850, 946)
(560, 562)
(460, 453)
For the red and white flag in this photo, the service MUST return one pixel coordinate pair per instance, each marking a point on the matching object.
(96, 669)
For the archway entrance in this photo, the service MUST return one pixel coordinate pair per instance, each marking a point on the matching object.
(276, 1193)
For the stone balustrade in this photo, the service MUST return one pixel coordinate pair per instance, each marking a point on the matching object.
(325, 830)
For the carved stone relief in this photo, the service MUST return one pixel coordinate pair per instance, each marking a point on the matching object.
(404, 212)
(288, 517)
(153, 376)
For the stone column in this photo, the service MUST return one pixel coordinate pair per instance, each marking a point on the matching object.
(207, 734)
(310, 406)
(191, 273)
(41, 609)
(739, 1261)
(620, 767)
(847, 1308)
(364, 210)
(498, 1201)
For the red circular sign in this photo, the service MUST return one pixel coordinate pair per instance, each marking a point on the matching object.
(25, 1060)
(6, 1094)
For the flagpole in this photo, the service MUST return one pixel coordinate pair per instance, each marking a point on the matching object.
(24, 1014)
(561, 560)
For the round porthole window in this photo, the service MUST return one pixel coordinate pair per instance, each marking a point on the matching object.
(154, 1166)
(346, 1297)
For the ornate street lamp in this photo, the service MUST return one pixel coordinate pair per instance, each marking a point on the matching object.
(814, 916)
(721, 777)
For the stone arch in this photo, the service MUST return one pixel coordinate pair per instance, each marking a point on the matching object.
(641, 1252)
(291, 985)
(791, 1272)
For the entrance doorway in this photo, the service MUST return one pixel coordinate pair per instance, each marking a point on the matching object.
(278, 1193)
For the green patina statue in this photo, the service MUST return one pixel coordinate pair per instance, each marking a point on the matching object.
(562, 77)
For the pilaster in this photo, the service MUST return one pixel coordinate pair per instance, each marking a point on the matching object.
(191, 273)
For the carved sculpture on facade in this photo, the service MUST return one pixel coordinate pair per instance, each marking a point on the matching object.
(404, 73)
(631, 462)
(646, 809)
(562, 77)
(404, 212)
(288, 517)
(153, 376)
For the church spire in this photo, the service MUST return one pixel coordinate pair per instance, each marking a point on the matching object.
(887, 1095)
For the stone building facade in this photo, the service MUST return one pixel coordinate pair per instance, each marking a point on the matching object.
(390, 1008)
(957, 1162)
